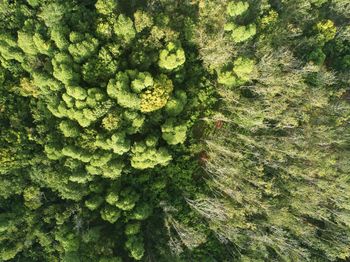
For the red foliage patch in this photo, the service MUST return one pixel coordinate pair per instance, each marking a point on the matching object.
(203, 157)
(219, 124)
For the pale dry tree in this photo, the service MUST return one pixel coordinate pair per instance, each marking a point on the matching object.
(184, 235)
(209, 208)
(279, 68)
(343, 32)
(175, 244)
(215, 48)
(342, 7)
(190, 237)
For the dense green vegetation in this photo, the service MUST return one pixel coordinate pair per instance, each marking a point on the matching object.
(158, 130)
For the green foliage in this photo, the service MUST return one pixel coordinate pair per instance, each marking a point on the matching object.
(94, 202)
(156, 96)
(119, 89)
(53, 152)
(98, 71)
(243, 68)
(142, 81)
(105, 7)
(269, 19)
(242, 71)
(142, 20)
(114, 259)
(43, 45)
(69, 128)
(69, 241)
(146, 155)
(326, 30)
(141, 212)
(82, 49)
(111, 121)
(27, 88)
(241, 33)
(173, 133)
(237, 8)
(112, 198)
(2, 76)
(135, 245)
(59, 35)
(110, 214)
(171, 58)
(9, 252)
(26, 43)
(32, 197)
(52, 14)
(174, 130)
(76, 153)
(176, 103)
(117, 143)
(63, 69)
(124, 28)
(317, 56)
(136, 121)
(127, 200)
(132, 229)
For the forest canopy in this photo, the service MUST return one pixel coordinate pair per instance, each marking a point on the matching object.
(159, 130)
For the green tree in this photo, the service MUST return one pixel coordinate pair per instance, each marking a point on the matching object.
(317, 56)
(243, 70)
(82, 47)
(63, 69)
(176, 103)
(124, 28)
(142, 20)
(172, 57)
(174, 133)
(132, 229)
(119, 89)
(127, 199)
(43, 45)
(106, 7)
(326, 30)
(59, 34)
(112, 121)
(146, 155)
(69, 128)
(110, 214)
(52, 14)
(156, 96)
(94, 202)
(32, 197)
(112, 198)
(26, 43)
(141, 211)
(241, 33)
(135, 245)
(118, 143)
(142, 81)
(76, 92)
(237, 8)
